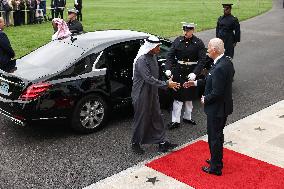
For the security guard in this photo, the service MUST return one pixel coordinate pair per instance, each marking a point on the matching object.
(228, 29)
(74, 25)
(186, 59)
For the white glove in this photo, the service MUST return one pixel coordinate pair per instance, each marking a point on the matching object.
(191, 76)
(168, 73)
(202, 99)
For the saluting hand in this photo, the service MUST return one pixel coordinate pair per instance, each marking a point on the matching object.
(173, 85)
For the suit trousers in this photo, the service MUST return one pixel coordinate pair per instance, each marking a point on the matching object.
(215, 126)
(228, 45)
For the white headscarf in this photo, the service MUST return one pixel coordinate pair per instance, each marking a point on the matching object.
(150, 43)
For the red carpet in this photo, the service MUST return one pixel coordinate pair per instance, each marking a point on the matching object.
(240, 171)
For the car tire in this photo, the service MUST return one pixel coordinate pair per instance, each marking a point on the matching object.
(90, 114)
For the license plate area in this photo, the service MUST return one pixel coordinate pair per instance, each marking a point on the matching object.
(4, 88)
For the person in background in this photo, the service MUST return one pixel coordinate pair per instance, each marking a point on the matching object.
(74, 25)
(52, 9)
(23, 12)
(39, 13)
(185, 60)
(217, 101)
(7, 9)
(6, 51)
(148, 125)
(228, 29)
(61, 29)
(59, 8)
(17, 12)
(31, 7)
(42, 5)
(78, 7)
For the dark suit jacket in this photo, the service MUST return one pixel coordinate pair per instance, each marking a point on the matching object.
(6, 51)
(218, 88)
(31, 5)
(75, 26)
(59, 3)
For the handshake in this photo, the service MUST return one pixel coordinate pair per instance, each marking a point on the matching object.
(191, 79)
(173, 85)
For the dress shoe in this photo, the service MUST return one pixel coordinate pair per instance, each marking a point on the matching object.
(207, 170)
(191, 121)
(136, 148)
(166, 146)
(208, 161)
(173, 125)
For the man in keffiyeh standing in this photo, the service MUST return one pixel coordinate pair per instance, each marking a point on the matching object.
(148, 126)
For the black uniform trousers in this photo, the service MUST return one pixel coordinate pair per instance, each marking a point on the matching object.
(215, 126)
(31, 16)
(59, 11)
(52, 12)
(229, 44)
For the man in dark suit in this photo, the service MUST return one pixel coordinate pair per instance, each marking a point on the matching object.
(228, 29)
(6, 51)
(218, 102)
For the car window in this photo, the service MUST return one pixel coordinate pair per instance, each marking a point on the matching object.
(46, 60)
(120, 58)
(84, 65)
(100, 63)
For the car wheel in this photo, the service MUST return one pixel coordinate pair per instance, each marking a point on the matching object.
(90, 114)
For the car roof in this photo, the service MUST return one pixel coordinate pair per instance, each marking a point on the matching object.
(87, 43)
(90, 40)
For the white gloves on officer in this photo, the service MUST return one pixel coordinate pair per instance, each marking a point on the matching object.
(168, 73)
(191, 76)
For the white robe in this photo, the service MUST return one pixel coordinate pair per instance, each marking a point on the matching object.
(148, 126)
